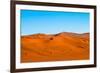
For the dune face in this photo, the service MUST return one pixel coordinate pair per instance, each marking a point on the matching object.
(54, 47)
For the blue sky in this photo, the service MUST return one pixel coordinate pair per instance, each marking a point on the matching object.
(52, 22)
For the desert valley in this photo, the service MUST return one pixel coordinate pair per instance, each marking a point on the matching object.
(62, 46)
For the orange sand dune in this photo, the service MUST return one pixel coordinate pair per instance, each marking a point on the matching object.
(54, 47)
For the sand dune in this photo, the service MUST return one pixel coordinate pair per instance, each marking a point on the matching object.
(54, 47)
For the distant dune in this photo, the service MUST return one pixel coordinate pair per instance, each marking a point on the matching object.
(54, 47)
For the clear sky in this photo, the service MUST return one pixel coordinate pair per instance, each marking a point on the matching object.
(52, 22)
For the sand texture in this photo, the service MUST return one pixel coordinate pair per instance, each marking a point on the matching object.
(54, 47)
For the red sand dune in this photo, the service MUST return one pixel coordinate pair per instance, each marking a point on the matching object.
(54, 47)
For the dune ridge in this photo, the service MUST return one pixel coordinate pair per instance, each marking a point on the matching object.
(54, 47)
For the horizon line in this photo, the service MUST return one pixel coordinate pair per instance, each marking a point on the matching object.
(56, 33)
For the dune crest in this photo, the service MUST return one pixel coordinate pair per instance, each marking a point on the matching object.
(54, 47)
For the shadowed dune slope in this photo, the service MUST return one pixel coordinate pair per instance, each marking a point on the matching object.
(54, 47)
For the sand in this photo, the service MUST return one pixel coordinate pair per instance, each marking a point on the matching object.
(63, 46)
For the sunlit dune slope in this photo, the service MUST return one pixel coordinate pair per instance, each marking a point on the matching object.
(54, 47)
